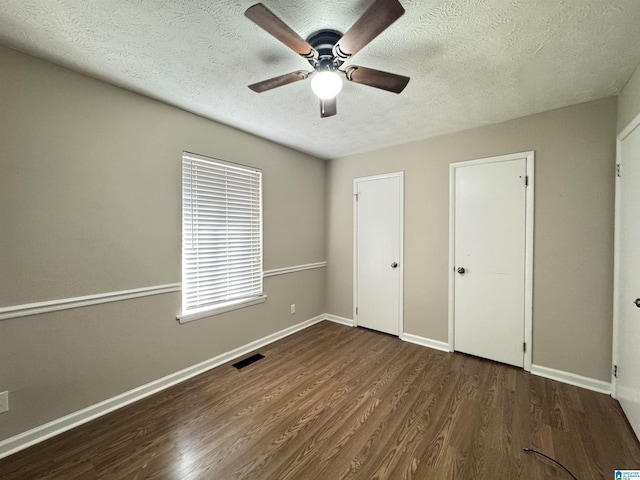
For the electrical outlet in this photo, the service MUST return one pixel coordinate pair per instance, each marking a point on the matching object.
(293, 308)
(4, 401)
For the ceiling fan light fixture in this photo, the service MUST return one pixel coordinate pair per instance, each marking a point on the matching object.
(326, 84)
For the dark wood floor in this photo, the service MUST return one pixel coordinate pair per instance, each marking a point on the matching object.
(333, 402)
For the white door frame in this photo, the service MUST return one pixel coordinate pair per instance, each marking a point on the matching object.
(528, 269)
(400, 175)
(616, 256)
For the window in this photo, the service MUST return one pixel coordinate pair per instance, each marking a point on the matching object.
(221, 236)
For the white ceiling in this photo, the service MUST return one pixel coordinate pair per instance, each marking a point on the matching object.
(471, 62)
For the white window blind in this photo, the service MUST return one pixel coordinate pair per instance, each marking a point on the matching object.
(221, 233)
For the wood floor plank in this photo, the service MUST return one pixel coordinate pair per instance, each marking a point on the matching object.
(338, 413)
(334, 402)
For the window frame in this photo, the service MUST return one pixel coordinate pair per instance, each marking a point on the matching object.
(252, 298)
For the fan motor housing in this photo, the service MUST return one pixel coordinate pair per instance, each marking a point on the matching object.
(323, 42)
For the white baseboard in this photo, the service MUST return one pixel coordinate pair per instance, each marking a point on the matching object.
(425, 342)
(572, 379)
(36, 435)
(341, 320)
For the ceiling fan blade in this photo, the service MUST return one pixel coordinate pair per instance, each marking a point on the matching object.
(372, 23)
(264, 18)
(328, 108)
(279, 81)
(376, 78)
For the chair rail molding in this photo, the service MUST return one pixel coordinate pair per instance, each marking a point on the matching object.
(27, 309)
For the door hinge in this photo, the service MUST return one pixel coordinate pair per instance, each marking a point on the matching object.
(356, 310)
(526, 180)
(615, 371)
(356, 195)
(618, 170)
(524, 347)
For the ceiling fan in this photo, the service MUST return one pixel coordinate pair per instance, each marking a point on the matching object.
(328, 50)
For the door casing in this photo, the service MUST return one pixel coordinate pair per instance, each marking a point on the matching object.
(528, 294)
(399, 175)
(633, 125)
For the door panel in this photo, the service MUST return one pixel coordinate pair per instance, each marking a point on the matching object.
(489, 244)
(378, 246)
(628, 280)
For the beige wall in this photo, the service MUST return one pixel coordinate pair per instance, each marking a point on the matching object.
(90, 185)
(629, 101)
(575, 152)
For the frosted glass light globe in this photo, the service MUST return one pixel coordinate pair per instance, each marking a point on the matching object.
(326, 84)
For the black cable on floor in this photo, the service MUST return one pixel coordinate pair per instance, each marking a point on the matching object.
(552, 459)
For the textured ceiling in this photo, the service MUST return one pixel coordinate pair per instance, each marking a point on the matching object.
(471, 62)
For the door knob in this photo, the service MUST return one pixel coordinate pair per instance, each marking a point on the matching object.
(637, 302)
(461, 270)
(394, 265)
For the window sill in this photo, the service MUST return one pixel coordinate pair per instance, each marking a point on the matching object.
(222, 308)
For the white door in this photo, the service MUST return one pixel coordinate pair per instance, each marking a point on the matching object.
(627, 334)
(489, 256)
(378, 224)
